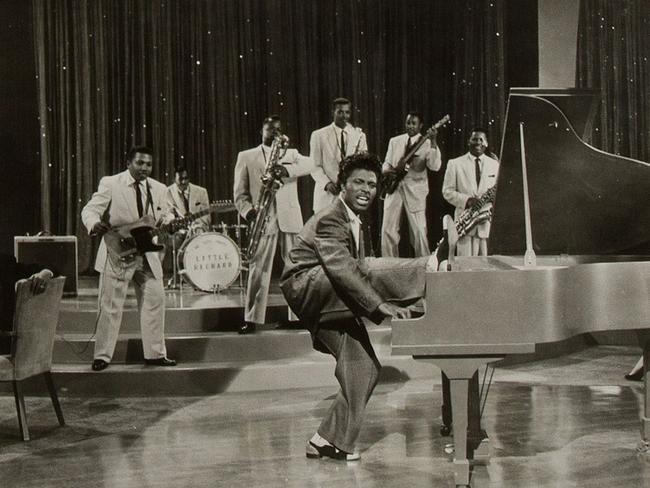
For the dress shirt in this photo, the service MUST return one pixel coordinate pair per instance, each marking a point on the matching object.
(355, 222)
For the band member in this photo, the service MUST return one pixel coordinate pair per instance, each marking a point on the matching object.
(284, 215)
(125, 197)
(330, 285)
(10, 272)
(185, 197)
(466, 179)
(328, 145)
(411, 193)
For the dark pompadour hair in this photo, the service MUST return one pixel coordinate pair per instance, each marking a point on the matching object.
(340, 101)
(360, 160)
(138, 149)
(180, 167)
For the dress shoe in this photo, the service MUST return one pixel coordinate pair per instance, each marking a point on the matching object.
(636, 376)
(160, 362)
(328, 450)
(99, 364)
(246, 328)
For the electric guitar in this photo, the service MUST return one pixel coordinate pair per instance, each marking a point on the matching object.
(391, 178)
(125, 242)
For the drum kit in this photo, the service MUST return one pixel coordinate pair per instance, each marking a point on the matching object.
(209, 259)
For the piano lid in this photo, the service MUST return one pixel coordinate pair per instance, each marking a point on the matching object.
(582, 200)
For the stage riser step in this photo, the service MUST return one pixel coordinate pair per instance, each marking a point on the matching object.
(152, 381)
(176, 320)
(211, 347)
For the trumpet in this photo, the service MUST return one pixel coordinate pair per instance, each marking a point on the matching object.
(271, 183)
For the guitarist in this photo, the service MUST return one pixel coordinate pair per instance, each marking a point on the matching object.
(125, 197)
(411, 192)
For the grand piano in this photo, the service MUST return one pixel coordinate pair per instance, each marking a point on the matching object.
(587, 208)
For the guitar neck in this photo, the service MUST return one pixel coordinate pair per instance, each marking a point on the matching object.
(187, 219)
(401, 164)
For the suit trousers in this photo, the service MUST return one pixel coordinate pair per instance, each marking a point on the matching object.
(390, 227)
(150, 295)
(259, 273)
(357, 371)
(357, 367)
(471, 246)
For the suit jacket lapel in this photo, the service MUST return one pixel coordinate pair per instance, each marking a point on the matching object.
(128, 193)
(346, 218)
(470, 171)
(333, 143)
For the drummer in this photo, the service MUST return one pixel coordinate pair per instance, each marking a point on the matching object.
(186, 198)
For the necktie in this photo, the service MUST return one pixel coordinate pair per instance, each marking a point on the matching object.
(478, 171)
(185, 202)
(408, 146)
(138, 198)
(342, 144)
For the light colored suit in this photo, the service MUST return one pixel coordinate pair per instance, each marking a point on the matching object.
(197, 199)
(459, 185)
(324, 149)
(328, 283)
(411, 194)
(285, 219)
(117, 196)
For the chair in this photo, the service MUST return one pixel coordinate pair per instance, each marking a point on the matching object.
(35, 321)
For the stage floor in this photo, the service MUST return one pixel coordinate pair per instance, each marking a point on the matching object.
(570, 421)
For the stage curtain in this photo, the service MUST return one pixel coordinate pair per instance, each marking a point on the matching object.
(612, 58)
(194, 79)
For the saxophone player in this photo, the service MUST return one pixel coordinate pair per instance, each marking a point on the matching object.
(466, 179)
(328, 146)
(284, 215)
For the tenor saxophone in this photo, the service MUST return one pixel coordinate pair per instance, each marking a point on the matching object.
(476, 214)
(271, 183)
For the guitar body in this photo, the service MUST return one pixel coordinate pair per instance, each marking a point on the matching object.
(127, 241)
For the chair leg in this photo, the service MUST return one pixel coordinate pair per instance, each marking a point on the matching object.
(20, 408)
(54, 397)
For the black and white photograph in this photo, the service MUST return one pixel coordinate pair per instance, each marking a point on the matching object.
(325, 243)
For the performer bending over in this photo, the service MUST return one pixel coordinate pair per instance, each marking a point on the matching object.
(466, 179)
(328, 146)
(126, 197)
(412, 191)
(284, 217)
(330, 285)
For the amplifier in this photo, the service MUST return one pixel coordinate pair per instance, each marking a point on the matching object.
(58, 252)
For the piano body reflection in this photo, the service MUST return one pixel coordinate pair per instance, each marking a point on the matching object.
(587, 207)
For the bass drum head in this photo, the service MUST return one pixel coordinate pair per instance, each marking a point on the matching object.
(211, 261)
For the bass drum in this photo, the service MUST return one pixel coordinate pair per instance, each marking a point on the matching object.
(211, 261)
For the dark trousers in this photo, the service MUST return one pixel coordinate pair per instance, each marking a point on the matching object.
(357, 371)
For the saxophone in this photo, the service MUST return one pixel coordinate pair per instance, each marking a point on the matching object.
(475, 214)
(271, 183)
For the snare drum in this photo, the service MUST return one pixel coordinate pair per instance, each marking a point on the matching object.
(211, 261)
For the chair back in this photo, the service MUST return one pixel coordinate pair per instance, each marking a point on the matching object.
(35, 321)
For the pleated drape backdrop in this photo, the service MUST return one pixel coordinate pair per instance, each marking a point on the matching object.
(194, 79)
(613, 58)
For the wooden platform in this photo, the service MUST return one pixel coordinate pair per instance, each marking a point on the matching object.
(201, 335)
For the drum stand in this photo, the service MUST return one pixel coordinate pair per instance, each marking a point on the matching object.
(176, 281)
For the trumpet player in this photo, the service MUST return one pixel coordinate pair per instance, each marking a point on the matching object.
(283, 215)
(328, 146)
(467, 178)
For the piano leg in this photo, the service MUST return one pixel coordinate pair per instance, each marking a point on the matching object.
(645, 421)
(460, 370)
(474, 433)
